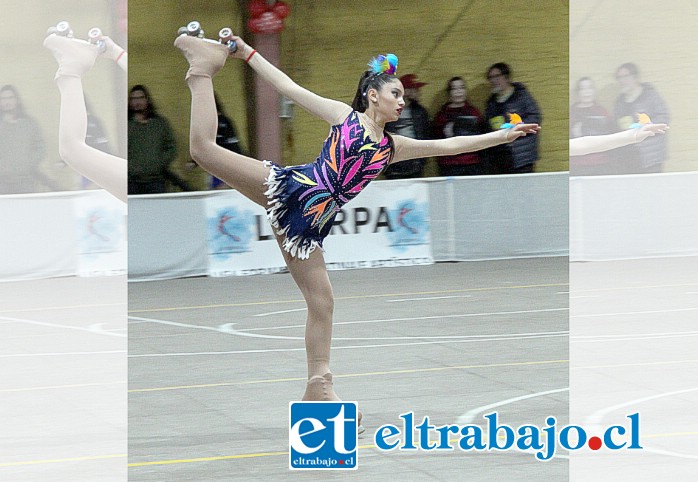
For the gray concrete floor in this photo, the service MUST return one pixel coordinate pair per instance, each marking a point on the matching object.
(213, 364)
(633, 349)
(63, 370)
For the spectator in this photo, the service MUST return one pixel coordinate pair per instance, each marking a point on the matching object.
(511, 98)
(458, 117)
(414, 123)
(151, 147)
(588, 118)
(639, 98)
(22, 147)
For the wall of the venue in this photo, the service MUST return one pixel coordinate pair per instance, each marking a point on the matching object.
(33, 67)
(659, 38)
(326, 44)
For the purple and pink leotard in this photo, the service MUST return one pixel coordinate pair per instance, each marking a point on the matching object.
(305, 199)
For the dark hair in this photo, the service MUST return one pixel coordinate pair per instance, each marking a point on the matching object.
(582, 79)
(20, 106)
(453, 79)
(369, 80)
(502, 67)
(150, 111)
(631, 68)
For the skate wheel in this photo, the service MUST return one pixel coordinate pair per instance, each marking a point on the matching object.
(94, 33)
(194, 28)
(51, 31)
(182, 31)
(63, 28)
(226, 34)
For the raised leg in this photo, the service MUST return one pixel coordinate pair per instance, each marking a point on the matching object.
(245, 174)
(74, 59)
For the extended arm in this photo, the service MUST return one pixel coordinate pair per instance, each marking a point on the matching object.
(331, 111)
(590, 144)
(406, 148)
(116, 53)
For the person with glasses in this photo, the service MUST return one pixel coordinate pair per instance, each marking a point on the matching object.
(638, 98)
(511, 98)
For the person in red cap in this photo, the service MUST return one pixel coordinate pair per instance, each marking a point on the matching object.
(414, 123)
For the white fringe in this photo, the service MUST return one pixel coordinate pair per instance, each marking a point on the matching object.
(276, 209)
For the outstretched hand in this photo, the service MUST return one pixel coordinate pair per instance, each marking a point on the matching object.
(648, 130)
(520, 130)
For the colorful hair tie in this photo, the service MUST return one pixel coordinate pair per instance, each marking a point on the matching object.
(513, 120)
(642, 119)
(384, 64)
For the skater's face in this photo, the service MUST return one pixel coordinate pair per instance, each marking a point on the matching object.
(137, 101)
(388, 101)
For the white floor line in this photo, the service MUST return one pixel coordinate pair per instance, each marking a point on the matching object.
(228, 328)
(426, 299)
(417, 318)
(622, 313)
(68, 353)
(469, 416)
(281, 312)
(334, 348)
(63, 327)
(596, 417)
(639, 337)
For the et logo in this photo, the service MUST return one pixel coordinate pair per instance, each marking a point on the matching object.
(323, 435)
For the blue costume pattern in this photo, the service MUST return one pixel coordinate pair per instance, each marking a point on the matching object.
(305, 199)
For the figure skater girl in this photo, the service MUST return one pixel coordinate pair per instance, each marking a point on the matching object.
(302, 201)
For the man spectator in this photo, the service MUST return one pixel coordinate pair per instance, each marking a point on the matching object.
(22, 147)
(589, 118)
(458, 117)
(508, 98)
(151, 147)
(414, 123)
(639, 98)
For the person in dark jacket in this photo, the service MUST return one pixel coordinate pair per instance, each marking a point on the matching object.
(414, 123)
(511, 98)
(151, 147)
(22, 147)
(639, 98)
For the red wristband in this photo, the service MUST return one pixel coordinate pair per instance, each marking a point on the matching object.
(250, 56)
(119, 56)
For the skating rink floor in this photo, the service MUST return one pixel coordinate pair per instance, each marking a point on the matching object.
(213, 364)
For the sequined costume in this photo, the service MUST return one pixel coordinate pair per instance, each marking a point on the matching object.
(304, 200)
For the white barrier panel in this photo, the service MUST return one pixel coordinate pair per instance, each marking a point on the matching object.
(61, 234)
(167, 236)
(387, 226)
(633, 216)
(498, 217)
(392, 223)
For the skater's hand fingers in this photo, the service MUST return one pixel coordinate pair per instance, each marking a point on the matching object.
(243, 50)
